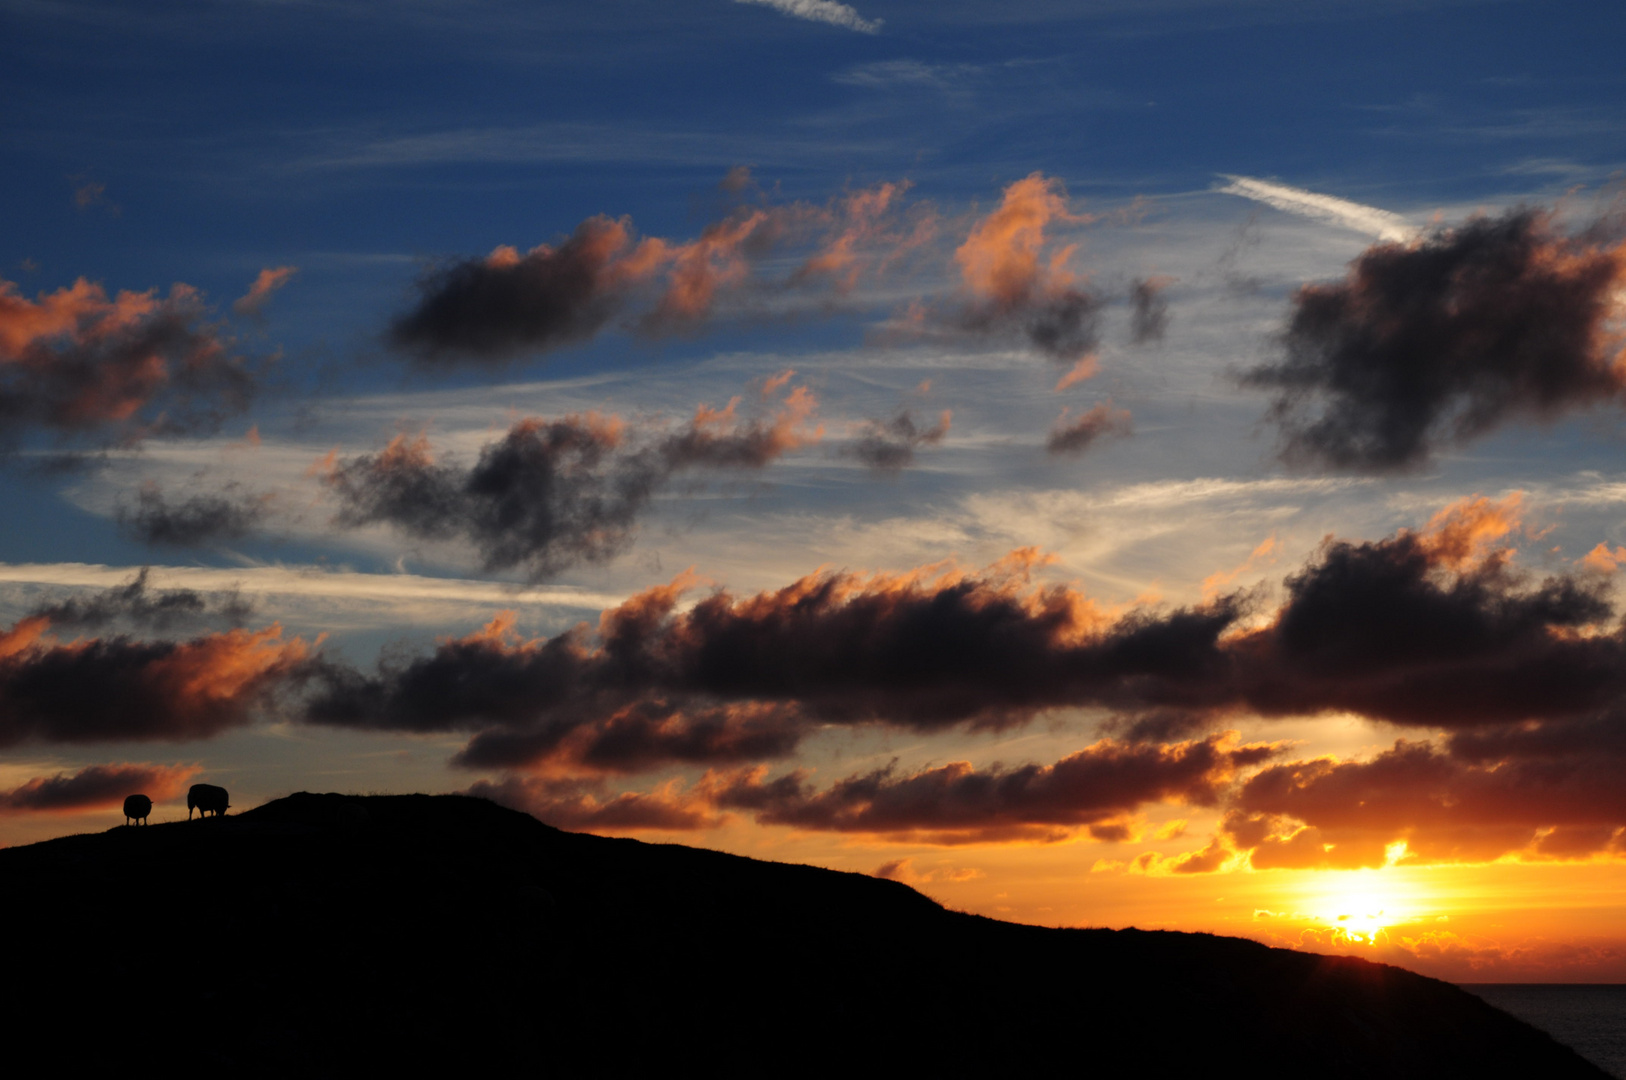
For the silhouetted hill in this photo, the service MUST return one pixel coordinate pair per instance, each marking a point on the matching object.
(328, 933)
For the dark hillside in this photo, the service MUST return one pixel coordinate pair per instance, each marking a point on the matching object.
(322, 933)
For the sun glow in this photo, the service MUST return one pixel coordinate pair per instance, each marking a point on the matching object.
(1361, 918)
(1360, 907)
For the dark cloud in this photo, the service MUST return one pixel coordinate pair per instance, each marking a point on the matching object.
(956, 803)
(94, 371)
(831, 648)
(195, 521)
(1149, 309)
(507, 304)
(552, 494)
(719, 439)
(646, 735)
(889, 446)
(116, 689)
(1443, 340)
(136, 603)
(548, 495)
(95, 787)
(1390, 630)
(1088, 428)
(1064, 326)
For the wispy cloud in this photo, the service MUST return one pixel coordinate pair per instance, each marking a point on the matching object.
(825, 11)
(895, 74)
(570, 142)
(1350, 215)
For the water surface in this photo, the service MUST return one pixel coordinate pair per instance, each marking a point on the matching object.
(1591, 1017)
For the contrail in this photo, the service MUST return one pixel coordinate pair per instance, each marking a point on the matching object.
(1351, 215)
(309, 581)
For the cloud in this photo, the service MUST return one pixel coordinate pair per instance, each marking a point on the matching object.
(134, 602)
(646, 735)
(1604, 559)
(894, 74)
(903, 870)
(719, 439)
(1381, 224)
(1429, 629)
(1096, 423)
(1267, 551)
(889, 446)
(491, 310)
(268, 282)
(1432, 629)
(115, 689)
(1441, 808)
(824, 11)
(195, 521)
(80, 366)
(1149, 314)
(585, 805)
(959, 804)
(1015, 282)
(865, 232)
(927, 650)
(1472, 959)
(88, 194)
(1443, 340)
(1416, 630)
(552, 494)
(95, 787)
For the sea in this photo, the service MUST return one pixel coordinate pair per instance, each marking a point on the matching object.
(1590, 1017)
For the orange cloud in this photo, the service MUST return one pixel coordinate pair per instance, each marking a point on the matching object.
(1263, 555)
(1462, 531)
(268, 282)
(95, 787)
(1002, 260)
(904, 870)
(865, 237)
(585, 805)
(112, 689)
(507, 303)
(1414, 803)
(1604, 559)
(80, 363)
(1096, 423)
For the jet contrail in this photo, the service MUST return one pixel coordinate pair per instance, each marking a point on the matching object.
(1351, 215)
(308, 581)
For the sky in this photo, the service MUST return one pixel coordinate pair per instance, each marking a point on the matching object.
(1100, 463)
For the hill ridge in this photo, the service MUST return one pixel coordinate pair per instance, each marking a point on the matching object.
(394, 930)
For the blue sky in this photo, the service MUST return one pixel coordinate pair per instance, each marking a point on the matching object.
(371, 147)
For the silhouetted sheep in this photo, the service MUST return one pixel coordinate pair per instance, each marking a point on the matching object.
(137, 807)
(204, 798)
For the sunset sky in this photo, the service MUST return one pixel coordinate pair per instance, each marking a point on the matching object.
(1102, 462)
